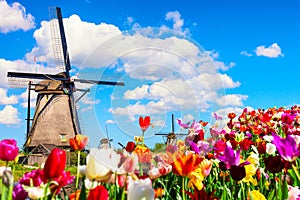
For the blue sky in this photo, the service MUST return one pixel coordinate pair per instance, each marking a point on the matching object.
(189, 58)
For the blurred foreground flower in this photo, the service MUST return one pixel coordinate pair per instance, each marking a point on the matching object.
(8, 149)
(140, 189)
(101, 163)
(98, 192)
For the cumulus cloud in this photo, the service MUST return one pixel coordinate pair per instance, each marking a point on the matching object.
(21, 66)
(4, 99)
(272, 51)
(13, 17)
(9, 115)
(232, 100)
(109, 121)
(165, 71)
(245, 53)
(24, 99)
(175, 17)
(80, 43)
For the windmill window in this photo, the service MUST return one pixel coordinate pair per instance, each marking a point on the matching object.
(63, 138)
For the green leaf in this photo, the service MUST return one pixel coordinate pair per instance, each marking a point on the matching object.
(292, 173)
(82, 195)
(285, 190)
(271, 195)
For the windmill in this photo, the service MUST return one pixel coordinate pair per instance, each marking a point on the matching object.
(105, 142)
(56, 118)
(171, 138)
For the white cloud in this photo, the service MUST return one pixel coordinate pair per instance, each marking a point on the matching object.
(9, 115)
(13, 17)
(187, 118)
(24, 97)
(87, 108)
(137, 93)
(80, 43)
(165, 73)
(4, 99)
(21, 66)
(245, 53)
(222, 66)
(109, 121)
(89, 101)
(231, 100)
(272, 51)
(175, 17)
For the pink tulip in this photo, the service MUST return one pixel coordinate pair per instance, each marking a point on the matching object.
(8, 149)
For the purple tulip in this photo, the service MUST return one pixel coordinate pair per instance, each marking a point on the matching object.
(8, 149)
(231, 157)
(287, 147)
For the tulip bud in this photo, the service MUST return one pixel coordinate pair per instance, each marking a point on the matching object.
(79, 142)
(8, 178)
(270, 148)
(55, 163)
(130, 147)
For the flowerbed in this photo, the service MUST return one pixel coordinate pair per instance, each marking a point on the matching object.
(256, 156)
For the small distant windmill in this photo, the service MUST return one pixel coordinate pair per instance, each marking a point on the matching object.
(171, 138)
(105, 142)
(56, 118)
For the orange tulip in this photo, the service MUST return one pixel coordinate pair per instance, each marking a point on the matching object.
(144, 122)
(144, 154)
(184, 164)
(75, 195)
(79, 142)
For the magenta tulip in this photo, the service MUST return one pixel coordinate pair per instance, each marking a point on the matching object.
(8, 149)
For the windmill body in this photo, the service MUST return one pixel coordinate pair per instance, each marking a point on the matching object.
(55, 119)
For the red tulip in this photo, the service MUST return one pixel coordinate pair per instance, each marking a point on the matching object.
(8, 149)
(98, 192)
(79, 142)
(231, 115)
(55, 163)
(144, 122)
(130, 147)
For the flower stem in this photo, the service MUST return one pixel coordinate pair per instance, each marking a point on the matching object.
(143, 133)
(296, 172)
(183, 188)
(78, 163)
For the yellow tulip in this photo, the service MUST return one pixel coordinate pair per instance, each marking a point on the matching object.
(196, 177)
(256, 195)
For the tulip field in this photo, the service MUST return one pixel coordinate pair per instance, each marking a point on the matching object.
(254, 156)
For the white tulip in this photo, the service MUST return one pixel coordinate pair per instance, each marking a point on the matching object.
(270, 148)
(35, 192)
(100, 163)
(140, 189)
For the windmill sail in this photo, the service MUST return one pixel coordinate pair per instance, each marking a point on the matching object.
(58, 38)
